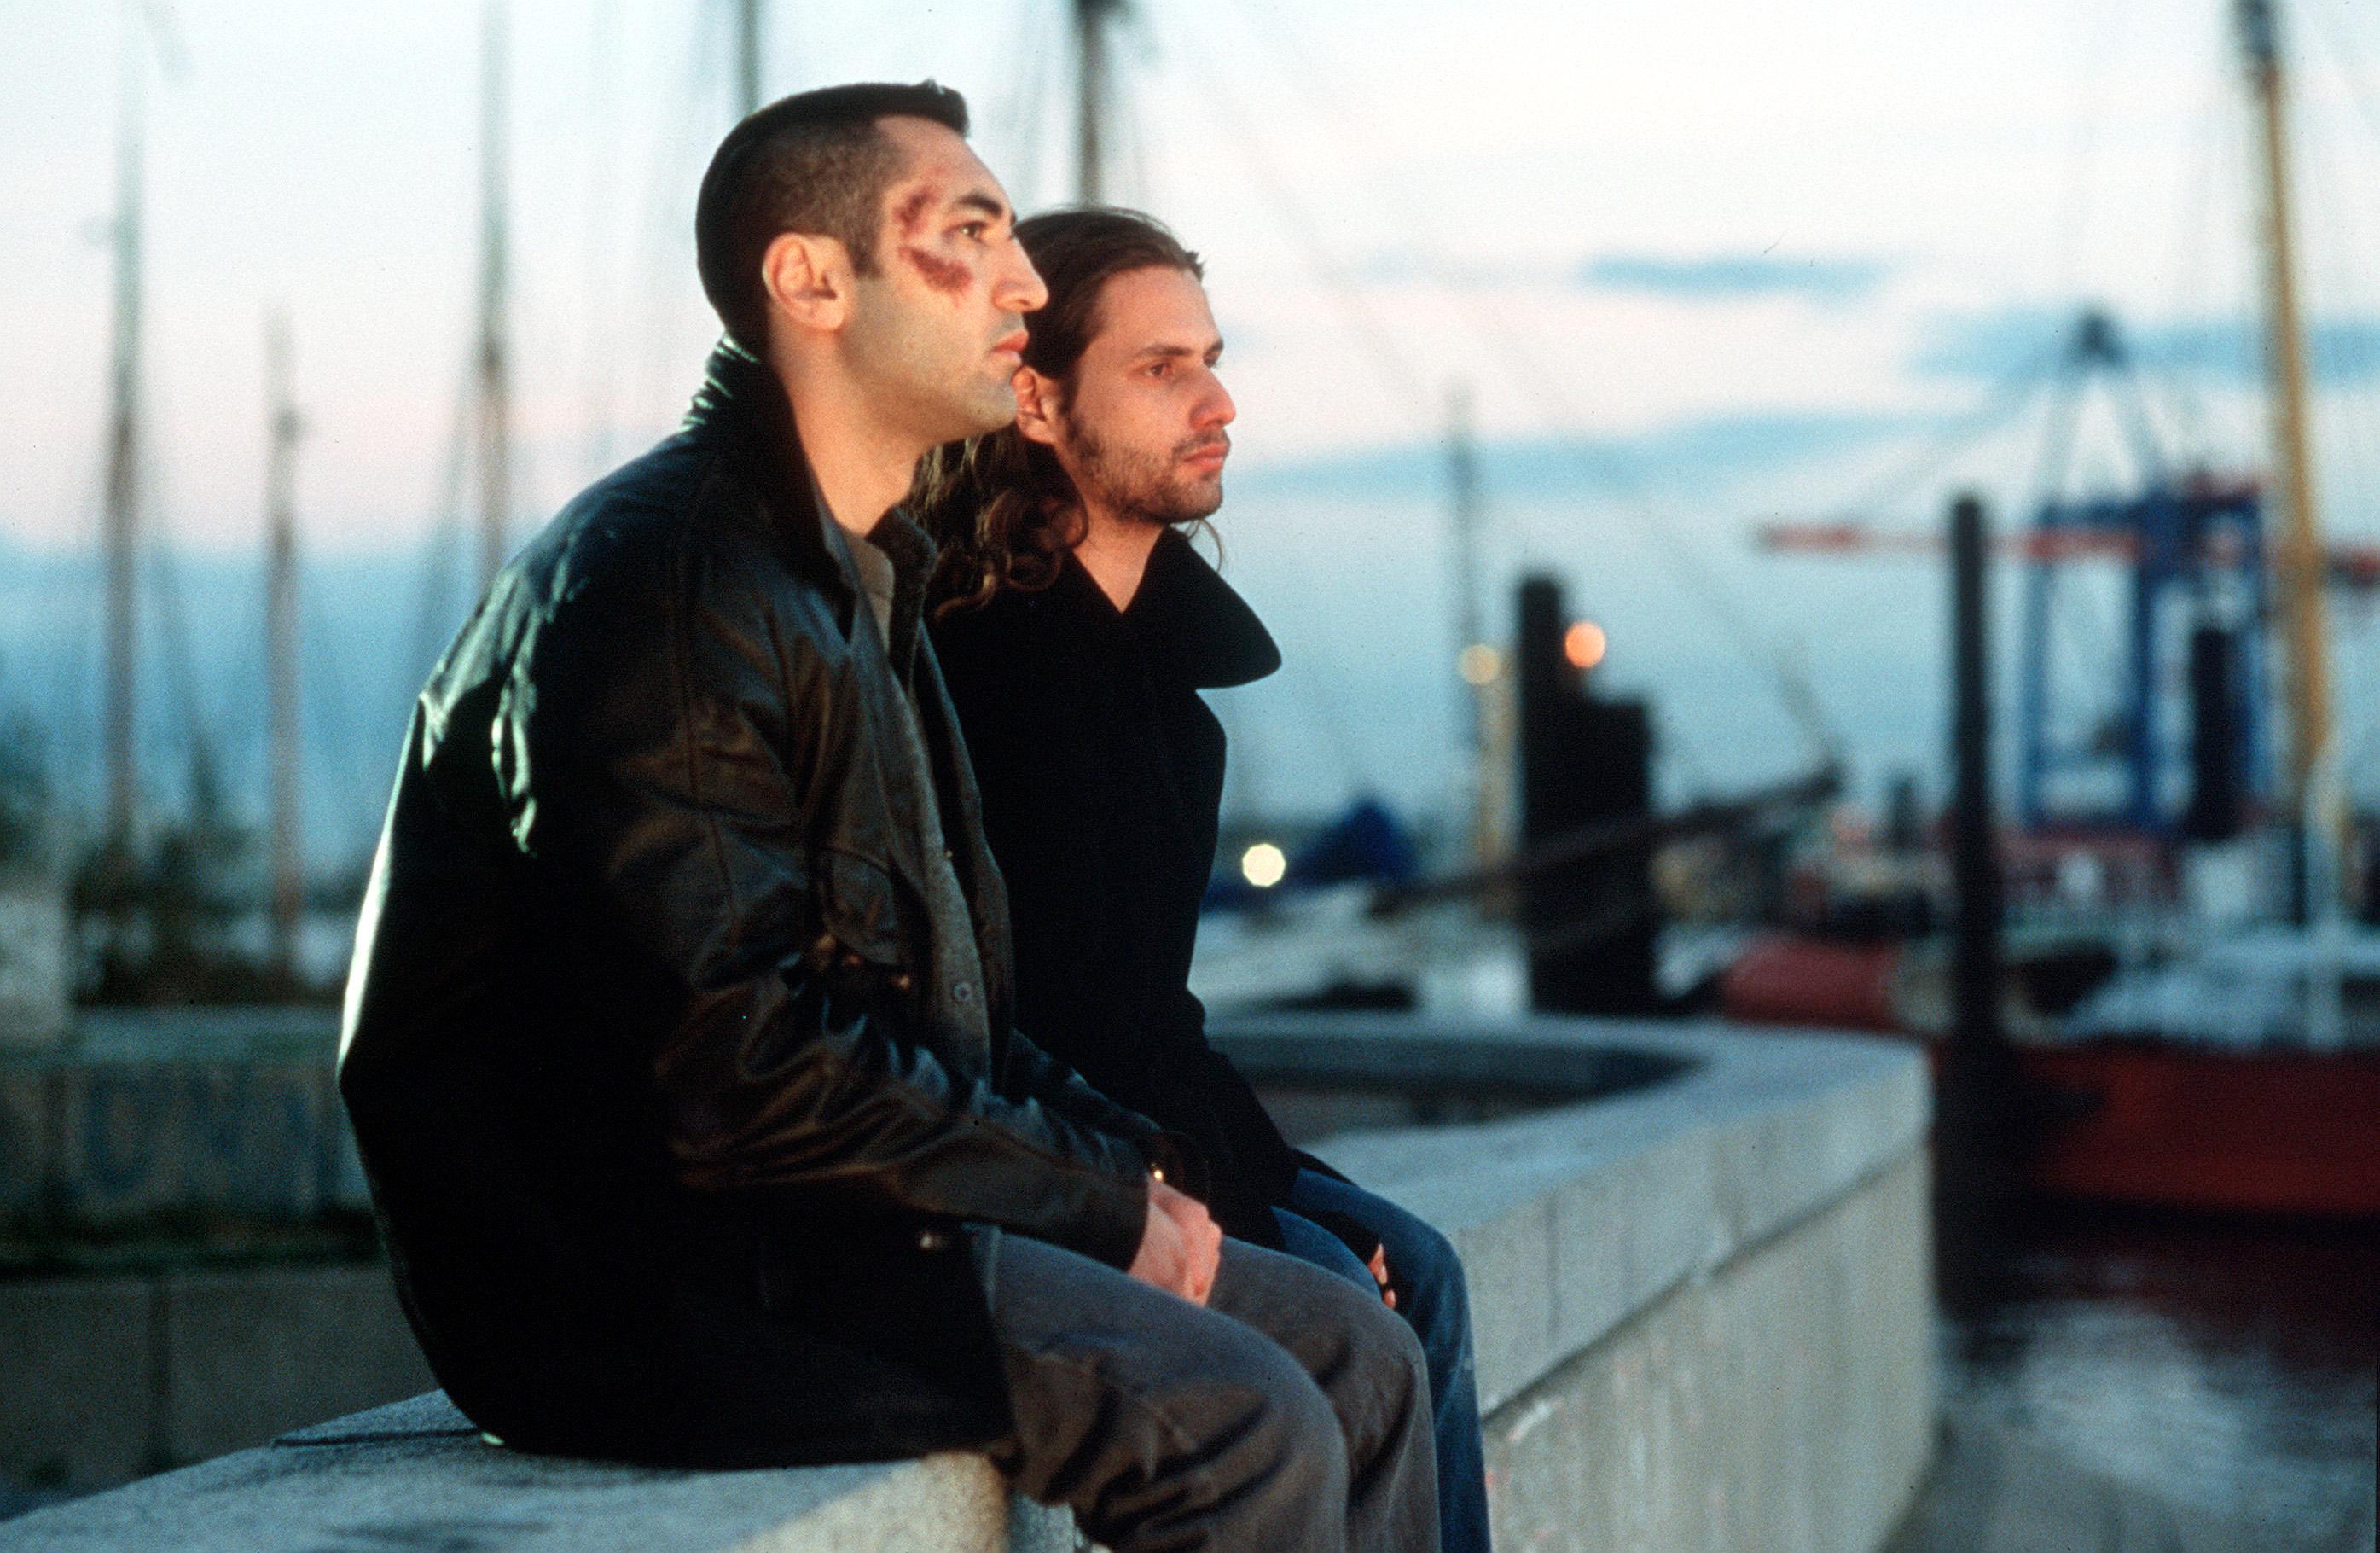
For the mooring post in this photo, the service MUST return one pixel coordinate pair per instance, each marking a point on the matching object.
(1976, 1125)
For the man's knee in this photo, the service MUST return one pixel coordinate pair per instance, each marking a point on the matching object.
(1382, 1345)
(1436, 1266)
(1291, 1425)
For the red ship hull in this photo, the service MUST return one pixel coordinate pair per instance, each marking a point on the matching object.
(2142, 1121)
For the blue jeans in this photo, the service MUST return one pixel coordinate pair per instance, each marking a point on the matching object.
(1430, 1294)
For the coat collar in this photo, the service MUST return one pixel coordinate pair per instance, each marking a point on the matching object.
(1189, 617)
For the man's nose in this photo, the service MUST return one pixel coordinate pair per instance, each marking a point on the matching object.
(1022, 290)
(1215, 406)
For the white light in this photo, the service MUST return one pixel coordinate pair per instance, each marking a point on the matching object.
(1263, 865)
(1480, 663)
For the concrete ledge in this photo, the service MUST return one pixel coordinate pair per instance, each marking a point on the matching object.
(1701, 1307)
(416, 1475)
(1570, 1220)
(104, 1379)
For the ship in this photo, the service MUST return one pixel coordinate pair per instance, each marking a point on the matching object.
(2187, 981)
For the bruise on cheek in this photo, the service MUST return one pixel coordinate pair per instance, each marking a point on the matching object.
(911, 212)
(947, 275)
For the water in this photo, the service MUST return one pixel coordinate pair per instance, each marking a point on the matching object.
(2226, 1370)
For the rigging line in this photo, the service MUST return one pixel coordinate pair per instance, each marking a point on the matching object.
(1369, 331)
(1315, 668)
(1673, 552)
(74, 670)
(435, 616)
(2004, 402)
(2092, 69)
(1021, 121)
(173, 627)
(676, 147)
(333, 720)
(2342, 356)
(2349, 67)
(599, 277)
(1669, 731)
(2189, 274)
(1657, 533)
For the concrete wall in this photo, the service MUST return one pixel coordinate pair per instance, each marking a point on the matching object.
(105, 1378)
(1702, 1311)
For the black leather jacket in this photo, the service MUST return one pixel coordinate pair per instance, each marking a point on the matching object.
(678, 1151)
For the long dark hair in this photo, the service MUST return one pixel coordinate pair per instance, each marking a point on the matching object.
(1002, 510)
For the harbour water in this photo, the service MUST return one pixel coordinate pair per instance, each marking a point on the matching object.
(2114, 1380)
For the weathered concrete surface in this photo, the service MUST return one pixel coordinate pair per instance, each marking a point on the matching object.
(1701, 1309)
(77, 1404)
(416, 1475)
(251, 1353)
(1781, 1402)
(104, 1379)
(1570, 1220)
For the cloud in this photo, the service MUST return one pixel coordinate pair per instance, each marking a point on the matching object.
(1712, 278)
(1733, 276)
(1701, 453)
(2342, 350)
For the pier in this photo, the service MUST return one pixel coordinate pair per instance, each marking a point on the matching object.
(1699, 1259)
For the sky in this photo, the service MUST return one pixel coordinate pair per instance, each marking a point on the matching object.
(1696, 265)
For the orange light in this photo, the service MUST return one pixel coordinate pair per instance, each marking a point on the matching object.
(1583, 643)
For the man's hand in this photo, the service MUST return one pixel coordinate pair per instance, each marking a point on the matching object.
(1180, 1245)
(1379, 1268)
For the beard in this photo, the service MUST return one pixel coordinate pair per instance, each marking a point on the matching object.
(1147, 487)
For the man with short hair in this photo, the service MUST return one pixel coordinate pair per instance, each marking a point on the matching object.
(678, 1044)
(1080, 629)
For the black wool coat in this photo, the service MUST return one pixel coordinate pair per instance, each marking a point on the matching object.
(1102, 770)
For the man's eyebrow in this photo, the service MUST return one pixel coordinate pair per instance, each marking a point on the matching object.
(1166, 348)
(977, 200)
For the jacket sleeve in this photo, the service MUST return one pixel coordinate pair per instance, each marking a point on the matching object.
(1034, 1071)
(1257, 1152)
(649, 750)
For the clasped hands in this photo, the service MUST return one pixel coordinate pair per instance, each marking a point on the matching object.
(1181, 1244)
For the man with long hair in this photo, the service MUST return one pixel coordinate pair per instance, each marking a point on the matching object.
(678, 1045)
(1077, 626)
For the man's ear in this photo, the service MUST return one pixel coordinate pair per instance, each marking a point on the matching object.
(809, 279)
(1036, 406)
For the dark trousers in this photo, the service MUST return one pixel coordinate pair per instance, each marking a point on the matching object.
(1291, 1413)
(1431, 1295)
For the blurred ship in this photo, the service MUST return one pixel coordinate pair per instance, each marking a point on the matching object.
(2192, 987)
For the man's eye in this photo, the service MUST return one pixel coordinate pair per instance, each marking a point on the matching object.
(1160, 369)
(974, 230)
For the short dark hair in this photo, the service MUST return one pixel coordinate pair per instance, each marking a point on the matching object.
(995, 503)
(816, 162)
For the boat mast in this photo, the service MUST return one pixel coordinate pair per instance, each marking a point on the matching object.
(2299, 567)
(281, 641)
(1093, 95)
(122, 529)
(492, 363)
(749, 20)
(1477, 662)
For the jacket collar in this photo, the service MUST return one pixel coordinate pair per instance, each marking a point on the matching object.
(1191, 619)
(743, 407)
(744, 404)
